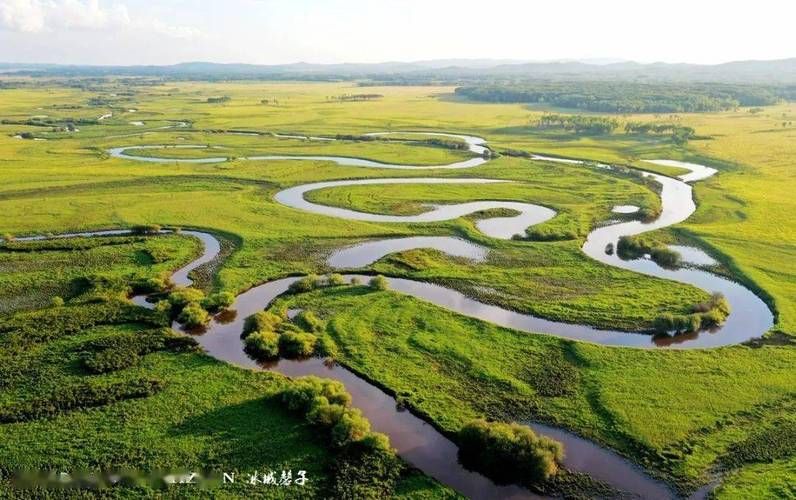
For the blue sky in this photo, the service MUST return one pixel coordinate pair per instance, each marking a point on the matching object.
(325, 31)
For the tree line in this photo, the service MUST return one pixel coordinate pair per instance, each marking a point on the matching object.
(630, 97)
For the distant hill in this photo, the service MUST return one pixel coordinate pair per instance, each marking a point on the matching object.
(781, 71)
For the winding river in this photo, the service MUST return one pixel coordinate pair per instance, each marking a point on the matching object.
(416, 441)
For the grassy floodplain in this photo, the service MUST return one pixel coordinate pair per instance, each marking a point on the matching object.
(682, 414)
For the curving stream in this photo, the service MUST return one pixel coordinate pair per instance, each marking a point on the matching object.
(417, 441)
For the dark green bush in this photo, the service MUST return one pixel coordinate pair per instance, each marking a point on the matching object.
(262, 321)
(665, 256)
(365, 466)
(299, 396)
(218, 301)
(350, 427)
(146, 229)
(509, 453)
(193, 315)
(150, 285)
(263, 344)
(306, 284)
(379, 283)
(181, 297)
(366, 469)
(309, 322)
(297, 344)
(336, 280)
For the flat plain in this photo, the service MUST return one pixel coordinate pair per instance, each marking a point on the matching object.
(687, 417)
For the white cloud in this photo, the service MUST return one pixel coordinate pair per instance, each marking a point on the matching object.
(26, 16)
(162, 28)
(86, 15)
(35, 16)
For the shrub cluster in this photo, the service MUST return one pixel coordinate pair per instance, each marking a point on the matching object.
(313, 282)
(193, 315)
(192, 308)
(268, 335)
(146, 229)
(509, 453)
(710, 313)
(365, 466)
(633, 247)
(379, 283)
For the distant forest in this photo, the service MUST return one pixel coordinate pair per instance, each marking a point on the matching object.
(624, 97)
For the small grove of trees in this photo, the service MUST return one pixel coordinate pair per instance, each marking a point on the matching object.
(509, 453)
(586, 125)
(678, 133)
(365, 465)
(219, 99)
(355, 97)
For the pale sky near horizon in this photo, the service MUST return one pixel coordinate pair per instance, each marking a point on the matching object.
(330, 31)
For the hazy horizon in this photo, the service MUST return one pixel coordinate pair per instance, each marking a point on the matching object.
(136, 32)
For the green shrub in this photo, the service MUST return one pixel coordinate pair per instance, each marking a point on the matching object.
(263, 344)
(150, 285)
(336, 280)
(325, 414)
(509, 453)
(57, 301)
(297, 344)
(634, 247)
(300, 394)
(163, 306)
(146, 229)
(181, 297)
(306, 284)
(366, 469)
(379, 283)
(712, 318)
(193, 315)
(694, 323)
(351, 426)
(309, 322)
(218, 301)
(326, 347)
(365, 466)
(262, 321)
(665, 256)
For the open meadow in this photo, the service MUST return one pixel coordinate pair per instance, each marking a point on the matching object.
(121, 390)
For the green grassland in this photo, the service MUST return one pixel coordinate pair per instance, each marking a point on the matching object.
(676, 412)
(34, 273)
